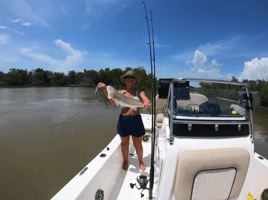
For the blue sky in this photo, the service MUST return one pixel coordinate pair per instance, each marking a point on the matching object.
(197, 39)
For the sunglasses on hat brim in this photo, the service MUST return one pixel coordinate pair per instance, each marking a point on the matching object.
(129, 77)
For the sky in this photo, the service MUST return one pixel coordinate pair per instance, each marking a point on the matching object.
(192, 39)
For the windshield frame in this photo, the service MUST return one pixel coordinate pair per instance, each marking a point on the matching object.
(169, 109)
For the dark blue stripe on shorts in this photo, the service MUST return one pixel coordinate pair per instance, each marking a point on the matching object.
(130, 125)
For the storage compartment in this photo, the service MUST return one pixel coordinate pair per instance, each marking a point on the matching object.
(208, 130)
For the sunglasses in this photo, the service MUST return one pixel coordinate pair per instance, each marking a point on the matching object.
(129, 77)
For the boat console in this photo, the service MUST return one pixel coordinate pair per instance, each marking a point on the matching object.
(210, 134)
(195, 111)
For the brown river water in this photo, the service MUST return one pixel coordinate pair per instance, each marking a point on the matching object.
(48, 134)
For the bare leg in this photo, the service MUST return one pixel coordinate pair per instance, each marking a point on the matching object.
(138, 146)
(124, 146)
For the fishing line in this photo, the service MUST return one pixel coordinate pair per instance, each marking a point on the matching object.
(153, 103)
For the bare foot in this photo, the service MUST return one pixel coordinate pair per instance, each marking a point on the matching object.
(142, 167)
(125, 165)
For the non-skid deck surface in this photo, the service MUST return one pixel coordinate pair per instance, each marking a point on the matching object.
(133, 172)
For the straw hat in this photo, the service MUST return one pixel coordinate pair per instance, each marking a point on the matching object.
(129, 73)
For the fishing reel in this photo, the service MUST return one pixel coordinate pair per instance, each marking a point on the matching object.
(142, 180)
(145, 138)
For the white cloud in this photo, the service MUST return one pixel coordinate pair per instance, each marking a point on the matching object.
(199, 60)
(100, 7)
(45, 58)
(26, 24)
(255, 69)
(157, 45)
(219, 46)
(201, 66)
(209, 49)
(63, 9)
(75, 58)
(14, 30)
(70, 63)
(17, 20)
(24, 10)
(65, 46)
(4, 38)
(23, 23)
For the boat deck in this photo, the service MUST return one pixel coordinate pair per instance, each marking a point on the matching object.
(124, 190)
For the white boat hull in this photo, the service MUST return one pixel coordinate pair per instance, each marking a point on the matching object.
(106, 174)
(259, 180)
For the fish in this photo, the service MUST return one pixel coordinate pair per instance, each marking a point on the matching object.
(101, 97)
(122, 100)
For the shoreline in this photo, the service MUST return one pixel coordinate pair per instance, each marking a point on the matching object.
(259, 118)
(28, 86)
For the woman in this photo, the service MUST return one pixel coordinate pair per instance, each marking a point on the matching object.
(130, 122)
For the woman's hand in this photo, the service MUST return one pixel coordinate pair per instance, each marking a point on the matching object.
(101, 86)
(146, 104)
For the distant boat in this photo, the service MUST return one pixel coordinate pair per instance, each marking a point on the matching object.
(204, 149)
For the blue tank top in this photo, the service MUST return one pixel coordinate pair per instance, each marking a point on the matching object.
(136, 97)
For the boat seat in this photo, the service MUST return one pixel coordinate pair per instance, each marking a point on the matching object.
(195, 100)
(159, 120)
(211, 174)
(159, 107)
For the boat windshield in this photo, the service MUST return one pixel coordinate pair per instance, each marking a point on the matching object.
(201, 102)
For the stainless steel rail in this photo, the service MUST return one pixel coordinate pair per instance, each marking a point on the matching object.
(251, 116)
(210, 81)
(171, 97)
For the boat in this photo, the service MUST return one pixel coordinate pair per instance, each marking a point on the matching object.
(203, 150)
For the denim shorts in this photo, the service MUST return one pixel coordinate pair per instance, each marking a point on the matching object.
(130, 125)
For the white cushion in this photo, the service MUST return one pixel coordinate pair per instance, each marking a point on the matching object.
(192, 162)
(213, 184)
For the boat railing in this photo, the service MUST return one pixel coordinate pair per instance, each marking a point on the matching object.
(248, 85)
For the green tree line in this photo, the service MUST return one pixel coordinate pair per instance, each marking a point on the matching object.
(88, 78)
(258, 85)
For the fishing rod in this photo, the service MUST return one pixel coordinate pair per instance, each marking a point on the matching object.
(154, 116)
(153, 45)
(153, 103)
